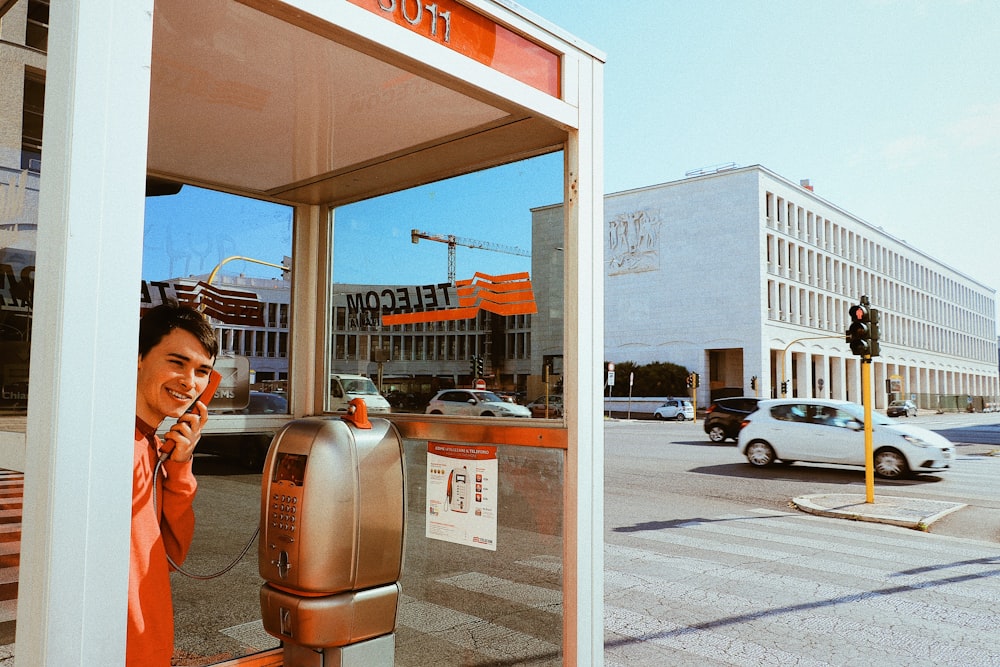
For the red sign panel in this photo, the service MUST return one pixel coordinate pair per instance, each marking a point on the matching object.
(465, 31)
(509, 294)
(232, 306)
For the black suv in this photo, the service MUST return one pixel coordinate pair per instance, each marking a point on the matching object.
(724, 416)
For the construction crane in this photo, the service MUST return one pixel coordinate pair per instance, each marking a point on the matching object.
(452, 241)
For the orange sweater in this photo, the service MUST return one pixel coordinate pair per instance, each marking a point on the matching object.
(168, 528)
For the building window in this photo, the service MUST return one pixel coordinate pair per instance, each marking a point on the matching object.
(31, 121)
(37, 31)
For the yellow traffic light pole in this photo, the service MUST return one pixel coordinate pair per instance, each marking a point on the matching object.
(694, 398)
(866, 399)
(863, 335)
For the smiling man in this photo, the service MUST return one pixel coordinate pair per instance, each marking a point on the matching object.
(177, 349)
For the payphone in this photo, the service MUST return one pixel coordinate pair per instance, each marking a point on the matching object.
(331, 539)
(457, 497)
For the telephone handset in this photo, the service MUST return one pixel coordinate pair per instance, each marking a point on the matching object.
(214, 378)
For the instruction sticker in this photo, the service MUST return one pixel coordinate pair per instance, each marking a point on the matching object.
(462, 494)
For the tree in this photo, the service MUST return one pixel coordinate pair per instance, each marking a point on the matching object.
(661, 379)
(654, 379)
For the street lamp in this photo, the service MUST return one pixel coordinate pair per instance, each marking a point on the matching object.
(785, 352)
(218, 266)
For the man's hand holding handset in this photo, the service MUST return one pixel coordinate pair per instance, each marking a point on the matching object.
(179, 442)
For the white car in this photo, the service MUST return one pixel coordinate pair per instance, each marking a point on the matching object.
(345, 387)
(473, 403)
(675, 408)
(827, 431)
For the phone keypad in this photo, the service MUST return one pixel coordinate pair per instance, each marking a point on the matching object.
(284, 509)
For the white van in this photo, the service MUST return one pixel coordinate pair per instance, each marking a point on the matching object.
(345, 387)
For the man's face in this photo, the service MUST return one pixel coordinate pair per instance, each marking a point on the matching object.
(171, 376)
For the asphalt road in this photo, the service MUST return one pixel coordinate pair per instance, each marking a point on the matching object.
(674, 468)
(707, 564)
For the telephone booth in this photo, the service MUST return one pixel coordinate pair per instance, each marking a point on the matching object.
(353, 123)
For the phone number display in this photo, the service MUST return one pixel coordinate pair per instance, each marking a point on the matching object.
(464, 30)
(412, 11)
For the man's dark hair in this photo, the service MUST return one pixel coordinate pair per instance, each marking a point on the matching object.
(161, 320)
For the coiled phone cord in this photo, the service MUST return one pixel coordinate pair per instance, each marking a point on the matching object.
(192, 575)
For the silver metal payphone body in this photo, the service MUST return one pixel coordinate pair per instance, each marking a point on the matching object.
(331, 540)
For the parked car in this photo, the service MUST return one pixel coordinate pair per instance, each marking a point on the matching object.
(902, 409)
(403, 400)
(473, 403)
(724, 416)
(265, 403)
(550, 406)
(827, 431)
(676, 408)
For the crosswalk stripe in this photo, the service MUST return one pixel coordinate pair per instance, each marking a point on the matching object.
(536, 597)
(783, 591)
(866, 589)
(827, 563)
(493, 641)
(11, 506)
(714, 646)
(911, 552)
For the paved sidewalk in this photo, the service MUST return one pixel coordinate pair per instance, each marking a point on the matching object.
(907, 512)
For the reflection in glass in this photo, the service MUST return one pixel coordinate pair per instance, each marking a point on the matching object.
(455, 284)
(189, 240)
(470, 606)
(189, 244)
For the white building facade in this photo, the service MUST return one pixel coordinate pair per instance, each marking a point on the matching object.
(746, 278)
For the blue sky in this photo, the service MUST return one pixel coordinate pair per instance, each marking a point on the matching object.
(890, 107)
(372, 238)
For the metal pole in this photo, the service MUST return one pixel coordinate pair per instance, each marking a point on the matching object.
(218, 266)
(866, 398)
(694, 404)
(631, 377)
(784, 353)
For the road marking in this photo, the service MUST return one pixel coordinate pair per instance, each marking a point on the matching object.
(491, 640)
(813, 587)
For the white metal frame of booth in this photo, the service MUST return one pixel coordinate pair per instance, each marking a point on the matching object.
(113, 117)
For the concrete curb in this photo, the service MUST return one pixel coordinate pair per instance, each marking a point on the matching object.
(906, 512)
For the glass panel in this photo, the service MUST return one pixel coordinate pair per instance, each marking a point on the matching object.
(454, 285)
(20, 164)
(190, 238)
(226, 254)
(477, 606)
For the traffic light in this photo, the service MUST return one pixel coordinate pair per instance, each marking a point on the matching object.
(753, 383)
(874, 317)
(690, 380)
(863, 334)
(473, 365)
(859, 333)
(695, 380)
(480, 366)
(784, 387)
